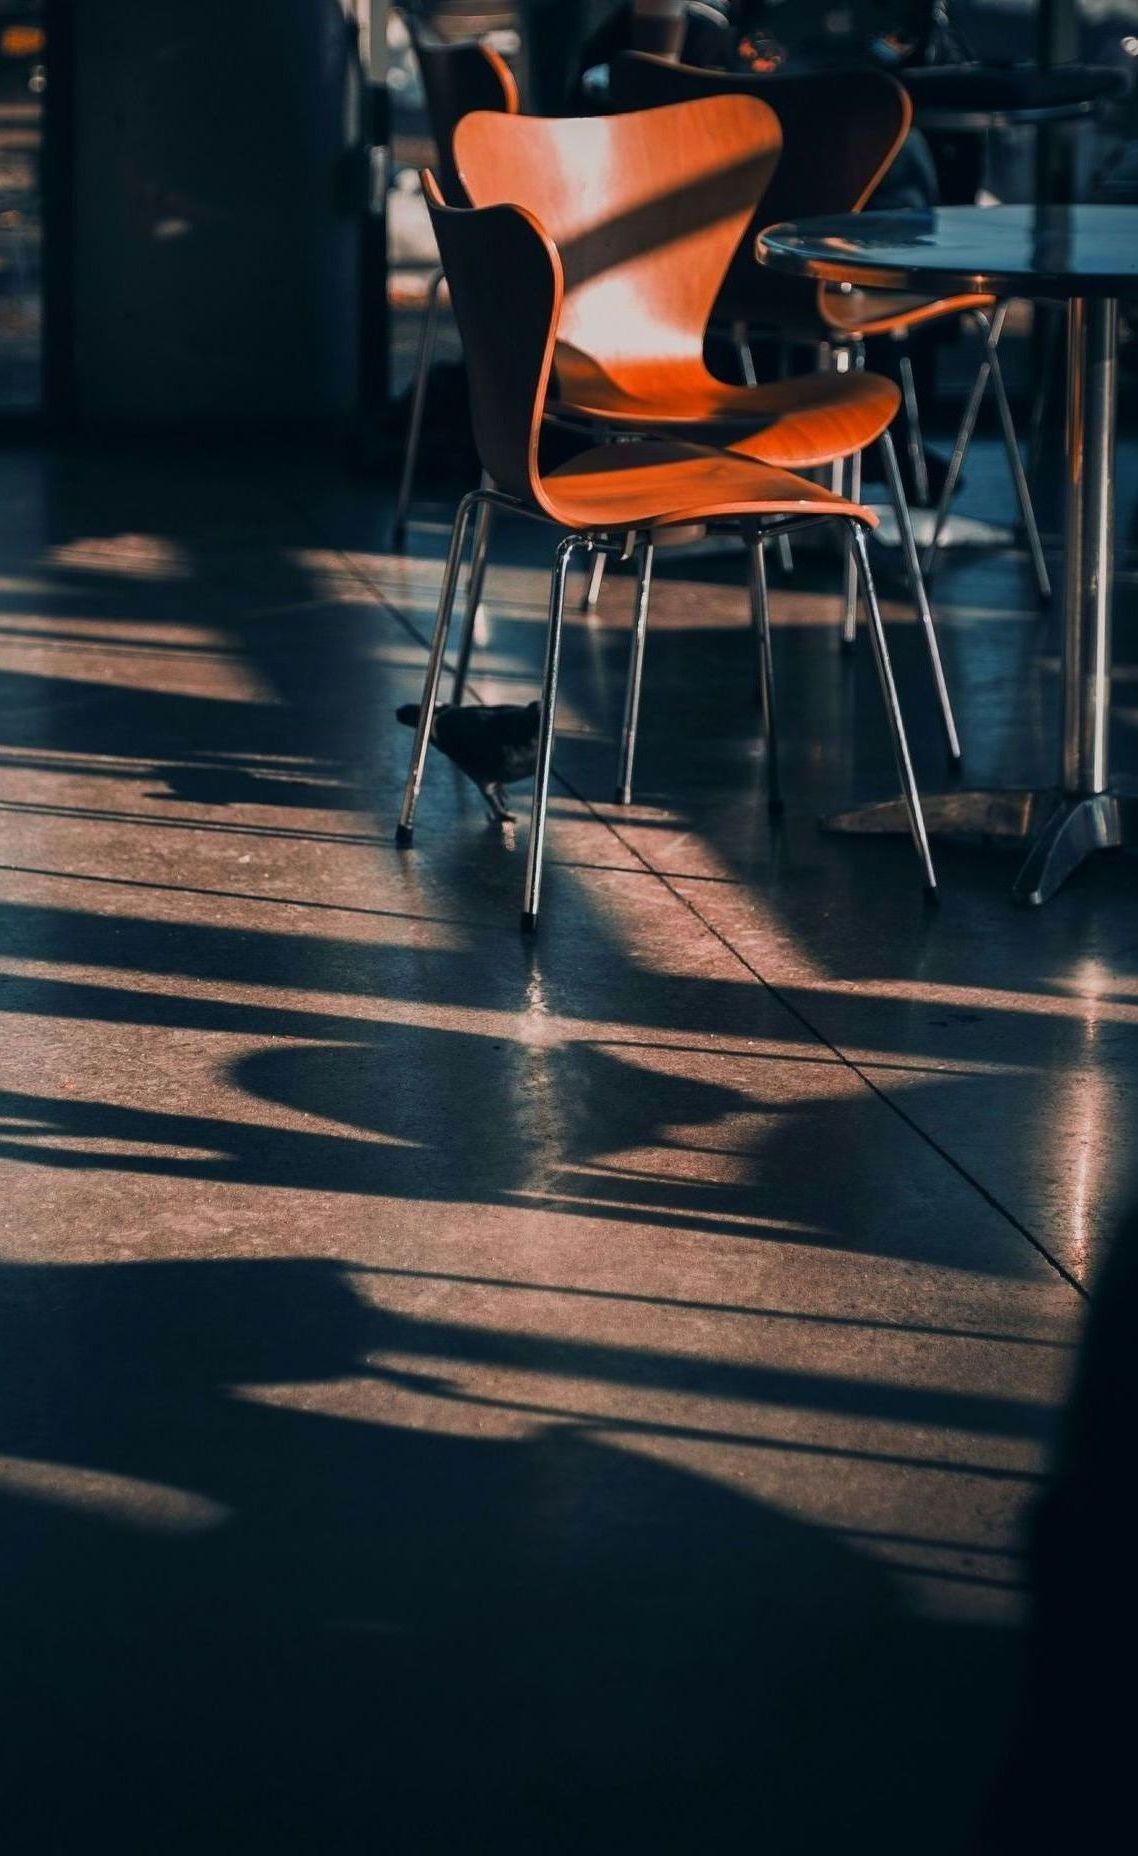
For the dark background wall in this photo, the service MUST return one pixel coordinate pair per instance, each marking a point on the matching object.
(216, 241)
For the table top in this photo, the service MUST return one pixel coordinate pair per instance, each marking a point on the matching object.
(1014, 250)
(1015, 93)
(979, 118)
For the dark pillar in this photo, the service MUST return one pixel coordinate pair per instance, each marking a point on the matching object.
(216, 226)
(554, 35)
(58, 180)
(1057, 42)
(369, 441)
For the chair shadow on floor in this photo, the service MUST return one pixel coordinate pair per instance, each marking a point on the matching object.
(241, 1619)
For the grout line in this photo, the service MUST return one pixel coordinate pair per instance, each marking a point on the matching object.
(773, 991)
(240, 895)
(858, 1069)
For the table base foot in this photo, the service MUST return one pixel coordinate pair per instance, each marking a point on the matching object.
(1076, 828)
(1064, 830)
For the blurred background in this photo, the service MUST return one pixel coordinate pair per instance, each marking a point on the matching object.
(210, 216)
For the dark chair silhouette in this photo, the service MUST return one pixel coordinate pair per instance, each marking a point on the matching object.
(622, 489)
(458, 76)
(841, 130)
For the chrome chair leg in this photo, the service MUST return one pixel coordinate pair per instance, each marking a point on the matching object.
(593, 584)
(1015, 463)
(479, 548)
(918, 590)
(423, 360)
(916, 443)
(880, 645)
(635, 674)
(594, 579)
(963, 439)
(849, 355)
(597, 570)
(849, 586)
(536, 846)
(405, 829)
(840, 359)
(743, 354)
(841, 363)
(785, 551)
(1048, 354)
(761, 622)
(990, 369)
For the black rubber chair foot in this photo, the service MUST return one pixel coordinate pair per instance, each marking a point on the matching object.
(404, 836)
(528, 922)
(622, 796)
(931, 895)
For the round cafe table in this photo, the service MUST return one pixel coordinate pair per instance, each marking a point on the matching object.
(974, 97)
(1087, 255)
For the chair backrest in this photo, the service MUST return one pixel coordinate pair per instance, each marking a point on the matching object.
(459, 76)
(646, 212)
(505, 283)
(841, 131)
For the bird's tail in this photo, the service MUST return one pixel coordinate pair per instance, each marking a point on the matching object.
(408, 714)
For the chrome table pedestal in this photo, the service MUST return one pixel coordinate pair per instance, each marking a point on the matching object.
(1088, 256)
(1086, 813)
(1089, 816)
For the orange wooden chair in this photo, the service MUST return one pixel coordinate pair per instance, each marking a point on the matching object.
(619, 489)
(841, 131)
(458, 76)
(639, 294)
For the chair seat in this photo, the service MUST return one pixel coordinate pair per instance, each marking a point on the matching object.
(796, 424)
(650, 486)
(891, 312)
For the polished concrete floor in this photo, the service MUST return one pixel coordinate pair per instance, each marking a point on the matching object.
(460, 1394)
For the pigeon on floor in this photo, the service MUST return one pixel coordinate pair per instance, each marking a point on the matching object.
(494, 746)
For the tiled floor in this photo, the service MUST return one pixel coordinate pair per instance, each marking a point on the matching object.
(467, 1395)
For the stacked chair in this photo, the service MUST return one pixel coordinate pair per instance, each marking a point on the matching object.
(648, 210)
(803, 424)
(459, 76)
(841, 130)
(642, 370)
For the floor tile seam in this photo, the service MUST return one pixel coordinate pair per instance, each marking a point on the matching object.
(33, 644)
(849, 1063)
(165, 821)
(731, 1310)
(255, 897)
(773, 991)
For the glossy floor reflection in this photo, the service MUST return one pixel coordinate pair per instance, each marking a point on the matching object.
(464, 1394)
